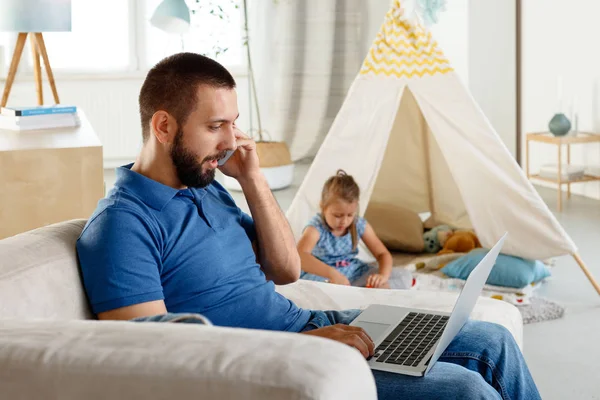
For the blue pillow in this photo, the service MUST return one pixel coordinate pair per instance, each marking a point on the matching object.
(509, 271)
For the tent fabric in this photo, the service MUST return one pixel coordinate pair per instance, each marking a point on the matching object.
(412, 135)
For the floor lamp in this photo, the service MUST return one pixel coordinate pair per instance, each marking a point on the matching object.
(31, 18)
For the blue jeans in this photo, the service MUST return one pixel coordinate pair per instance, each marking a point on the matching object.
(482, 362)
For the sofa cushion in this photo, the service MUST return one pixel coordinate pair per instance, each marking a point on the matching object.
(39, 274)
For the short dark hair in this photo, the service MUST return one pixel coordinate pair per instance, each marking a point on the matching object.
(171, 85)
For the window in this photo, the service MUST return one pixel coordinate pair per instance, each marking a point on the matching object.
(99, 39)
(216, 31)
(116, 36)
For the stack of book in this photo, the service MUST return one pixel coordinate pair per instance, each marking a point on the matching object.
(568, 172)
(38, 117)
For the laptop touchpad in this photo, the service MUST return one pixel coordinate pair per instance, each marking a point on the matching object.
(373, 329)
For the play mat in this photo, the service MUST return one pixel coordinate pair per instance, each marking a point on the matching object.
(428, 277)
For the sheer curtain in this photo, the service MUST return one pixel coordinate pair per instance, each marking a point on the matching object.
(308, 52)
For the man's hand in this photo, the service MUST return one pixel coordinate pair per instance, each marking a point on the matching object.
(338, 278)
(243, 163)
(351, 335)
(376, 281)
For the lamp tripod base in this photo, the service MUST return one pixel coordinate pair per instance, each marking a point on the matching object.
(38, 48)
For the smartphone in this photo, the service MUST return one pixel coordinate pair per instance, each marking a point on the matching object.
(224, 159)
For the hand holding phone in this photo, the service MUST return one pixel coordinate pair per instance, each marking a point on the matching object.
(245, 161)
(224, 159)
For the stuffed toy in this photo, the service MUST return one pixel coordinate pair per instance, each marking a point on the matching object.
(433, 238)
(459, 241)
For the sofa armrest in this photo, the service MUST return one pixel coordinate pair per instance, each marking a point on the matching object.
(119, 359)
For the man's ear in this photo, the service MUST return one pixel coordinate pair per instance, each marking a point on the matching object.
(163, 127)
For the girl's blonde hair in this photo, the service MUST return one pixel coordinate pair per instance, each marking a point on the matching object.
(341, 186)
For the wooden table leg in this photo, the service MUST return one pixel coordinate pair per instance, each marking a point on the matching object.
(37, 71)
(14, 65)
(559, 178)
(568, 163)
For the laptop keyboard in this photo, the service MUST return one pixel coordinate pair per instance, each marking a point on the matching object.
(411, 340)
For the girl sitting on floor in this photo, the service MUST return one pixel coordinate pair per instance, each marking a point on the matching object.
(329, 244)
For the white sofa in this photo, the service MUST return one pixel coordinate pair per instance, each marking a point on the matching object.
(51, 346)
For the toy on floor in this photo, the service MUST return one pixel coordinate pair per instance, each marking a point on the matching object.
(444, 239)
(459, 242)
(432, 238)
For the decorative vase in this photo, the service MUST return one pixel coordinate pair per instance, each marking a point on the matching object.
(559, 125)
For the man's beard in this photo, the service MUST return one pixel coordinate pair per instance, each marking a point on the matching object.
(189, 171)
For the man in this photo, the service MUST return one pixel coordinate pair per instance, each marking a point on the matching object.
(170, 239)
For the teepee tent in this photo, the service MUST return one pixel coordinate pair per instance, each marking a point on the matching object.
(412, 135)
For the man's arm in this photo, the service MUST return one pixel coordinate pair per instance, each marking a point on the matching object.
(277, 252)
(147, 309)
(119, 260)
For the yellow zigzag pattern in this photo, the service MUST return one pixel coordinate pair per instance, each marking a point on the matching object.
(403, 43)
(406, 30)
(410, 62)
(389, 31)
(398, 54)
(405, 74)
(404, 49)
(386, 51)
(413, 65)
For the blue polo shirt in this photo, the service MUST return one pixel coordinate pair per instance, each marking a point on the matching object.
(191, 248)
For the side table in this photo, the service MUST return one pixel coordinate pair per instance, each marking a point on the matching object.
(559, 141)
(48, 176)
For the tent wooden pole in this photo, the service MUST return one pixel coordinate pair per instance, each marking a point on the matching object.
(428, 166)
(587, 272)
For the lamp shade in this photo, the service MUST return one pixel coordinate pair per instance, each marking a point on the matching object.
(172, 16)
(35, 16)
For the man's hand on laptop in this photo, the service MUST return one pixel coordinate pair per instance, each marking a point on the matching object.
(351, 335)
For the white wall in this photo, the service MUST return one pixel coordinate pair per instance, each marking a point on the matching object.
(452, 34)
(492, 64)
(479, 39)
(560, 39)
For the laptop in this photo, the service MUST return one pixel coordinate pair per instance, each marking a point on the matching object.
(409, 341)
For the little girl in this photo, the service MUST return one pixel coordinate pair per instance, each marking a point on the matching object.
(329, 244)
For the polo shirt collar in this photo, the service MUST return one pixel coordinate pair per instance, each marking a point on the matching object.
(151, 192)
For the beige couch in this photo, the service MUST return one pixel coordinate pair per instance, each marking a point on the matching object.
(51, 347)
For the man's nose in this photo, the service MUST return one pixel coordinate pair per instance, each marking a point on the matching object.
(229, 141)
